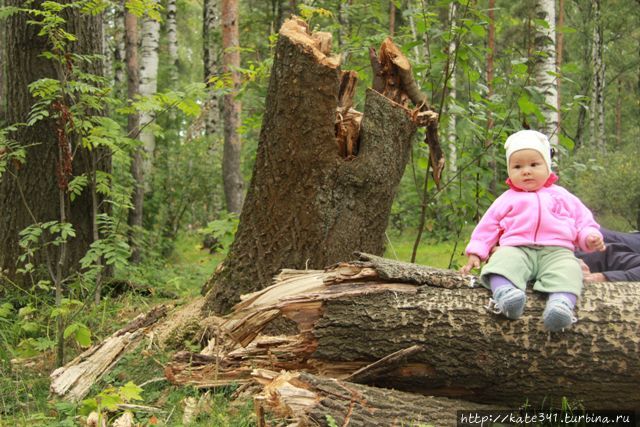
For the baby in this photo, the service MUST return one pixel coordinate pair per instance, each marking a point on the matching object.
(537, 225)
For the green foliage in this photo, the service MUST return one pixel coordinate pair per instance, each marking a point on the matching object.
(10, 151)
(80, 332)
(223, 230)
(109, 399)
(140, 8)
(331, 422)
(609, 184)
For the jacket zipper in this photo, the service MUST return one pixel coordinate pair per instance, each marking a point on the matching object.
(535, 235)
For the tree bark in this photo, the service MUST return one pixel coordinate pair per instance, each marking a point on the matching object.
(3, 79)
(172, 41)
(451, 122)
(120, 50)
(306, 205)
(545, 41)
(597, 88)
(133, 125)
(29, 193)
(357, 313)
(231, 160)
(149, 57)
(309, 400)
(210, 47)
(559, 58)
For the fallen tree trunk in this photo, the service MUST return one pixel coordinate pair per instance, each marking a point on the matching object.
(351, 316)
(73, 380)
(311, 400)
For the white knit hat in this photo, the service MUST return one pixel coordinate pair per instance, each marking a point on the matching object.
(532, 140)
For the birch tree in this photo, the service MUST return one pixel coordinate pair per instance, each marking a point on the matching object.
(559, 57)
(210, 49)
(597, 88)
(133, 124)
(451, 127)
(119, 51)
(231, 173)
(545, 66)
(149, 45)
(172, 41)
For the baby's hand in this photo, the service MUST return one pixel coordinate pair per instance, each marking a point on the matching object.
(473, 262)
(595, 242)
(595, 277)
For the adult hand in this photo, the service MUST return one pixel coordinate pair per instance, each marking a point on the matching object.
(595, 243)
(473, 262)
(584, 267)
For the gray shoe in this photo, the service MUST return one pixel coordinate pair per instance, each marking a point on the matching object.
(508, 300)
(558, 314)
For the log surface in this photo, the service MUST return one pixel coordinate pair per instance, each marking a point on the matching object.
(349, 317)
(468, 352)
(310, 400)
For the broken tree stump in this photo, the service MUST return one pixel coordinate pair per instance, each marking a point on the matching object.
(349, 316)
(325, 174)
(309, 400)
(73, 380)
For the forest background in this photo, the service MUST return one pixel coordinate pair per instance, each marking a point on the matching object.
(147, 115)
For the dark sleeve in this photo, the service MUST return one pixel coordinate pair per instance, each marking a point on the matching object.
(618, 263)
(632, 240)
(632, 275)
(621, 266)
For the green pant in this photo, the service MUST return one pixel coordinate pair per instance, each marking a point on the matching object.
(554, 269)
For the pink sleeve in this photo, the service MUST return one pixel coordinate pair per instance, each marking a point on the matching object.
(487, 233)
(585, 224)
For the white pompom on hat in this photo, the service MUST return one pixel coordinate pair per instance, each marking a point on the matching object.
(531, 140)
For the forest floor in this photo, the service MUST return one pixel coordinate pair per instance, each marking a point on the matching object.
(24, 381)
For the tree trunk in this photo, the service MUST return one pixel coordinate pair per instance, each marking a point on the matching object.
(597, 89)
(231, 161)
(3, 62)
(491, 53)
(392, 18)
(559, 57)
(307, 206)
(619, 115)
(120, 50)
(357, 313)
(545, 41)
(133, 125)
(29, 193)
(172, 41)
(345, 28)
(211, 47)
(149, 49)
(309, 400)
(451, 127)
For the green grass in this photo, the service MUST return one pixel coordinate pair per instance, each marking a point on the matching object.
(24, 396)
(430, 252)
(183, 273)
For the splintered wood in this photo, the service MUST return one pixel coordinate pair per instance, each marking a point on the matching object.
(307, 399)
(297, 296)
(73, 380)
(348, 120)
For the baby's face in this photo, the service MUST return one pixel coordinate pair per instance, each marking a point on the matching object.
(527, 170)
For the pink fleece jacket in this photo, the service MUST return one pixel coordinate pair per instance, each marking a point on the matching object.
(550, 216)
